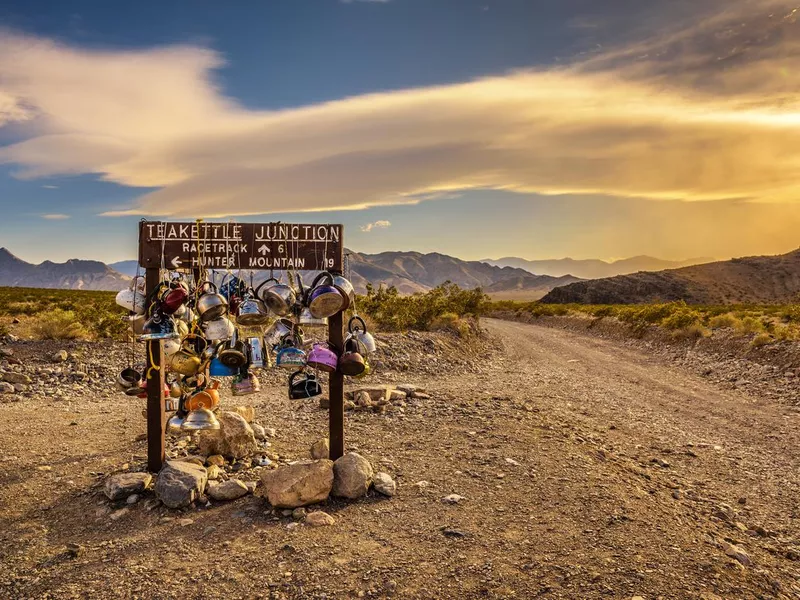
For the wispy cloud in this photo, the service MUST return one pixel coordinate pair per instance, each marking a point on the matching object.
(376, 225)
(55, 217)
(375, 1)
(50, 187)
(709, 111)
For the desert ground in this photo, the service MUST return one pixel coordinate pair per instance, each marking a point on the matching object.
(582, 468)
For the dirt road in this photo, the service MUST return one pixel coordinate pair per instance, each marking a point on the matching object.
(587, 470)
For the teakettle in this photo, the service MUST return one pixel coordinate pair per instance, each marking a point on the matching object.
(345, 289)
(290, 356)
(303, 385)
(322, 298)
(322, 357)
(358, 329)
(252, 310)
(188, 359)
(173, 298)
(306, 318)
(217, 369)
(351, 363)
(279, 297)
(210, 304)
(255, 353)
(133, 298)
(128, 378)
(207, 397)
(233, 353)
(219, 329)
(278, 330)
(159, 327)
(245, 383)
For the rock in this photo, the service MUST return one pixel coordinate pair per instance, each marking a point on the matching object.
(12, 377)
(419, 396)
(384, 484)
(234, 438)
(320, 449)
(6, 388)
(74, 549)
(60, 356)
(319, 519)
(259, 431)
(216, 459)
(270, 432)
(363, 399)
(20, 387)
(352, 476)
(213, 472)
(251, 486)
(185, 522)
(299, 513)
(406, 388)
(299, 484)
(180, 483)
(123, 485)
(710, 596)
(6, 352)
(453, 499)
(394, 395)
(227, 490)
(324, 402)
(349, 405)
(118, 514)
(132, 499)
(248, 412)
(737, 553)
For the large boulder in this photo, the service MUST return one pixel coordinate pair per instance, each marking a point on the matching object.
(234, 438)
(227, 490)
(180, 483)
(299, 484)
(122, 485)
(352, 476)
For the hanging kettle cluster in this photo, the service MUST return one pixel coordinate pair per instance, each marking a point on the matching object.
(200, 327)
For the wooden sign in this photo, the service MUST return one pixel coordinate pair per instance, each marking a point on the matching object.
(262, 246)
(251, 246)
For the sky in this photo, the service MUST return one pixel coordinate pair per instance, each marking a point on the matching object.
(480, 129)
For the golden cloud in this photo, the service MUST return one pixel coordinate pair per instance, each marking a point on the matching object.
(708, 112)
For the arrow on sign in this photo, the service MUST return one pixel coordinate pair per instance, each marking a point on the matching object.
(176, 262)
(263, 249)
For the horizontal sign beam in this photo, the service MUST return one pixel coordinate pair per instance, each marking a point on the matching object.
(279, 246)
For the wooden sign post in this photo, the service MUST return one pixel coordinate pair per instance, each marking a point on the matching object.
(198, 245)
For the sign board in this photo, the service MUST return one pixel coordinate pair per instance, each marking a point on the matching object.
(263, 246)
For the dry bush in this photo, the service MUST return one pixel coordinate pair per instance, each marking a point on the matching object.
(750, 325)
(726, 321)
(762, 339)
(58, 324)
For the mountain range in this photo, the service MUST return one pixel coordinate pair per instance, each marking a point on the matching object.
(74, 274)
(410, 272)
(754, 279)
(593, 268)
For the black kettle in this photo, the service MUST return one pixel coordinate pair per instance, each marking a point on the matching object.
(303, 385)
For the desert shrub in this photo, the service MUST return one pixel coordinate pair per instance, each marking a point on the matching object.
(682, 318)
(394, 312)
(3, 329)
(762, 339)
(602, 311)
(724, 321)
(750, 325)
(691, 332)
(58, 324)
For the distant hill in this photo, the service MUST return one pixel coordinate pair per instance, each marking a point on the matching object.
(74, 274)
(755, 279)
(527, 287)
(126, 267)
(593, 268)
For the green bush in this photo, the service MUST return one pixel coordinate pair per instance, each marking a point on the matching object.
(724, 321)
(751, 325)
(421, 311)
(762, 339)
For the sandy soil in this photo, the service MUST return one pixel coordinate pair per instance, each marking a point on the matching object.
(588, 470)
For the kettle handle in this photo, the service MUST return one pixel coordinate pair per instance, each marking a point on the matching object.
(193, 337)
(260, 285)
(322, 275)
(202, 286)
(355, 319)
(294, 375)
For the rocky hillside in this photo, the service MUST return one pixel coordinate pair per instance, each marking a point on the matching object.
(73, 274)
(756, 279)
(527, 287)
(593, 268)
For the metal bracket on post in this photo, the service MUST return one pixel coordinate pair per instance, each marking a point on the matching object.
(156, 437)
